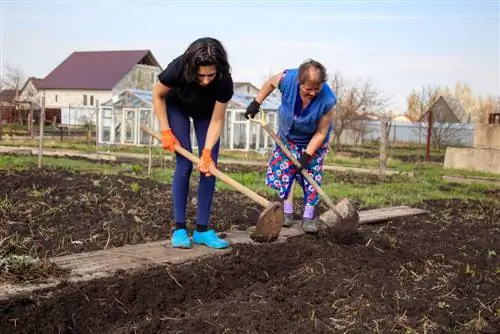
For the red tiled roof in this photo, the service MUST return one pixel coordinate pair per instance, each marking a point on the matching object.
(97, 70)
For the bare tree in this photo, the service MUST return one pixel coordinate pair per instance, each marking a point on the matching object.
(419, 102)
(13, 78)
(447, 128)
(353, 102)
(486, 106)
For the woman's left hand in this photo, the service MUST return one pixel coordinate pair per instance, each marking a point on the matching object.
(205, 162)
(304, 161)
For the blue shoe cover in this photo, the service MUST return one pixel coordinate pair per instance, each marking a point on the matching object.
(210, 239)
(180, 239)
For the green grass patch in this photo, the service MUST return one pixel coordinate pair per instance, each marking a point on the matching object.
(396, 190)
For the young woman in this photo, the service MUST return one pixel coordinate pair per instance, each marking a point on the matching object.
(196, 85)
(305, 124)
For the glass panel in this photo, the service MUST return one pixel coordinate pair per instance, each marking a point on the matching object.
(145, 118)
(106, 134)
(240, 135)
(117, 114)
(129, 125)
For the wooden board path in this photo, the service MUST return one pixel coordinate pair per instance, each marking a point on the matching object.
(104, 263)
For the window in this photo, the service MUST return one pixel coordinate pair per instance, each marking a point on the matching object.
(84, 100)
(91, 100)
(56, 98)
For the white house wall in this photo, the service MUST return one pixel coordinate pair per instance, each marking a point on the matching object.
(140, 77)
(30, 93)
(65, 98)
(246, 89)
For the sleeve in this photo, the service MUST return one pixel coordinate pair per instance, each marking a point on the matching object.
(225, 90)
(170, 76)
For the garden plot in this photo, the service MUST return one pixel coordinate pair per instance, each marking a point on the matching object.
(436, 273)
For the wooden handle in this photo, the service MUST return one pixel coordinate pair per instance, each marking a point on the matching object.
(217, 173)
(308, 177)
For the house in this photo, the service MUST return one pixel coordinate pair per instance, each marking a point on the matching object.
(248, 88)
(87, 77)
(446, 110)
(30, 92)
(245, 88)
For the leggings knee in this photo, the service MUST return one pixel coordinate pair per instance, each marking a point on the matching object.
(183, 167)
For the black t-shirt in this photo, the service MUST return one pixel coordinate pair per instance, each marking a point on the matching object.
(192, 98)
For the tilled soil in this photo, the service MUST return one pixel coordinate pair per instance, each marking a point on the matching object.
(403, 157)
(437, 273)
(53, 212)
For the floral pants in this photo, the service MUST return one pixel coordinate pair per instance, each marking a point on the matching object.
(281, 171)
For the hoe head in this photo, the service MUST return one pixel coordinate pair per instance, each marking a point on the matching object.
(347, 220)
(269, 224)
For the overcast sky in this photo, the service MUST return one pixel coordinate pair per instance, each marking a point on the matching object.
(399, 45)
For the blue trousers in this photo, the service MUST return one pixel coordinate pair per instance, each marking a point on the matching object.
(180, 125)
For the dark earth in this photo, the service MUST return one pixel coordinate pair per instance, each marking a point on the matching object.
(434, 273)
(413, 156)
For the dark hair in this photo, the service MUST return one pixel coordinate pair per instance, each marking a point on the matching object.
(305, 67)
(205, 51)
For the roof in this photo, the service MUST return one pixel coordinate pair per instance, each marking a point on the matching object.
(35, 81)
(136, 98)
(401, 118)
(243, 100)
(96, 70)
(7, 95)
(445, 110)
(131, 98)
(238, 84)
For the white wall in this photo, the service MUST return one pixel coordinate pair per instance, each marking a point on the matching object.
(246, 89)
(140, 77)
(64, 98)
(30, 93)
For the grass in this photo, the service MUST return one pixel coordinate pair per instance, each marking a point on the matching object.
(426, 183)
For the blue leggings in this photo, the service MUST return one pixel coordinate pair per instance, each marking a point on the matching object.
(180, 125)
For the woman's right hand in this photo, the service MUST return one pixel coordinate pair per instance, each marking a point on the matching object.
(168, 140)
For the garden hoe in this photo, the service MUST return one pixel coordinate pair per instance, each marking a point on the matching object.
(343, 216)
(270, 220)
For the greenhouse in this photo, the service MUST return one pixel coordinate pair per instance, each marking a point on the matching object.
(120, 119)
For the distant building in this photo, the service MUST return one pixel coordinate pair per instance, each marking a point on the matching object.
(86, 77)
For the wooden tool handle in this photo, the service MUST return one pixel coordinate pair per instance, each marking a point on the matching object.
(308, 177)
(217, 173)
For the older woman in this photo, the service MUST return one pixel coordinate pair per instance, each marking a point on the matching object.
(305, 124)
(196, 85)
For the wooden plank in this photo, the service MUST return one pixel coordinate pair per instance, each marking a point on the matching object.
(384, 214)
(471, 179)
(103, 263)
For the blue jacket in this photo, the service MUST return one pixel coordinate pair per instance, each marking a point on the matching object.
(300, 128)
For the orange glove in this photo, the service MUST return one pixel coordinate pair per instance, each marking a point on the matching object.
(205, 162)
(168, 140)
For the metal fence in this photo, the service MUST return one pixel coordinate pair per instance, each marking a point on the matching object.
(459, 134)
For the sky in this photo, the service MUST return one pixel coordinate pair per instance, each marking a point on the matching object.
(397, 45)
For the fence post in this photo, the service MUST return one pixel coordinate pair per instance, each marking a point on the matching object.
(383, 149)
(97, 130)
(40, 139)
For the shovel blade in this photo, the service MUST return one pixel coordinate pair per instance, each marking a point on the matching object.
(348, 221)
(269, 225)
